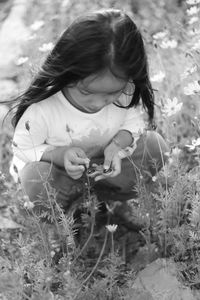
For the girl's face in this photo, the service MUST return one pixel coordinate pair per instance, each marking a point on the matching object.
(95, 91)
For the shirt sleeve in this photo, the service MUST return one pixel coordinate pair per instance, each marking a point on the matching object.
(134, 122)
(29, 140)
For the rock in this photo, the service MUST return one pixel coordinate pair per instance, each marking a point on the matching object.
(12, 36)
(8, 88)
(160, 280)
(6, 223)
(138, 294)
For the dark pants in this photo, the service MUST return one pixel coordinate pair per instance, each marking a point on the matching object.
(145, 161)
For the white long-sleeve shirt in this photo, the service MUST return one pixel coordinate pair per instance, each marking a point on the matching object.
(55, 122)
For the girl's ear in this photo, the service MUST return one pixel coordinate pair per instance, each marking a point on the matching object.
(129, 88)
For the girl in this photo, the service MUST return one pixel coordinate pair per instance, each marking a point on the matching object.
(83, 108)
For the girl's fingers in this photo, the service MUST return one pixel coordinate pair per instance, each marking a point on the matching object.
(74, 168)
(107, 162)
(116, 165)
(109, 153)
(75, 156)
(74, 172)
(94, 174)
(97, 178)
(77, 176)
(83, 157)
(103, 176)
(116, 169)
(80, 161)
(80, 153)
(79, 158)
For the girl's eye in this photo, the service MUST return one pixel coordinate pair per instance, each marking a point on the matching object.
(84, 92)
(118, 92)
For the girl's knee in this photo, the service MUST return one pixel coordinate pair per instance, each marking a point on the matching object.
(156, 143)
(156, 147)
(33, 176)
(37, 170)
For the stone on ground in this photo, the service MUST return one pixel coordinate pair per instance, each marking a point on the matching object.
(160, 280)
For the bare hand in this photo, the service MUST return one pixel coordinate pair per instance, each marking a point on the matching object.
(74, 161)
(111, 160)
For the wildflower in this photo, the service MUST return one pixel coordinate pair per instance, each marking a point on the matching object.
(46, 47)
(52, 253)
(65, 3)
(31, 37)
(192, 2)
(193, 20)
(195, 143)
(112, 228)
(26, 198)
(158, 77)
(37, 25)
(48, 279)
(176, 151)
(194, 32)
(66, 274)
(2, 176)
(192, 10)
(167, 154)
(21, 60)
(28, 205)
(196, 46)
(189, 71)
(168, 44)
(154, 178)
(171, 107)
(192, 88)
(160, 35)
(27, 125)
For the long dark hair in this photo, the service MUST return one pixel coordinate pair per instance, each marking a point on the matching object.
(106, 39)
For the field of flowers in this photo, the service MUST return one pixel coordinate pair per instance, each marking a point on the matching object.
(91, 253)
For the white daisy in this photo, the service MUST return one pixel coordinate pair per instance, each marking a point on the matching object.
(46, 47)
(37, 25)
(171, 106)
(112, 228)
